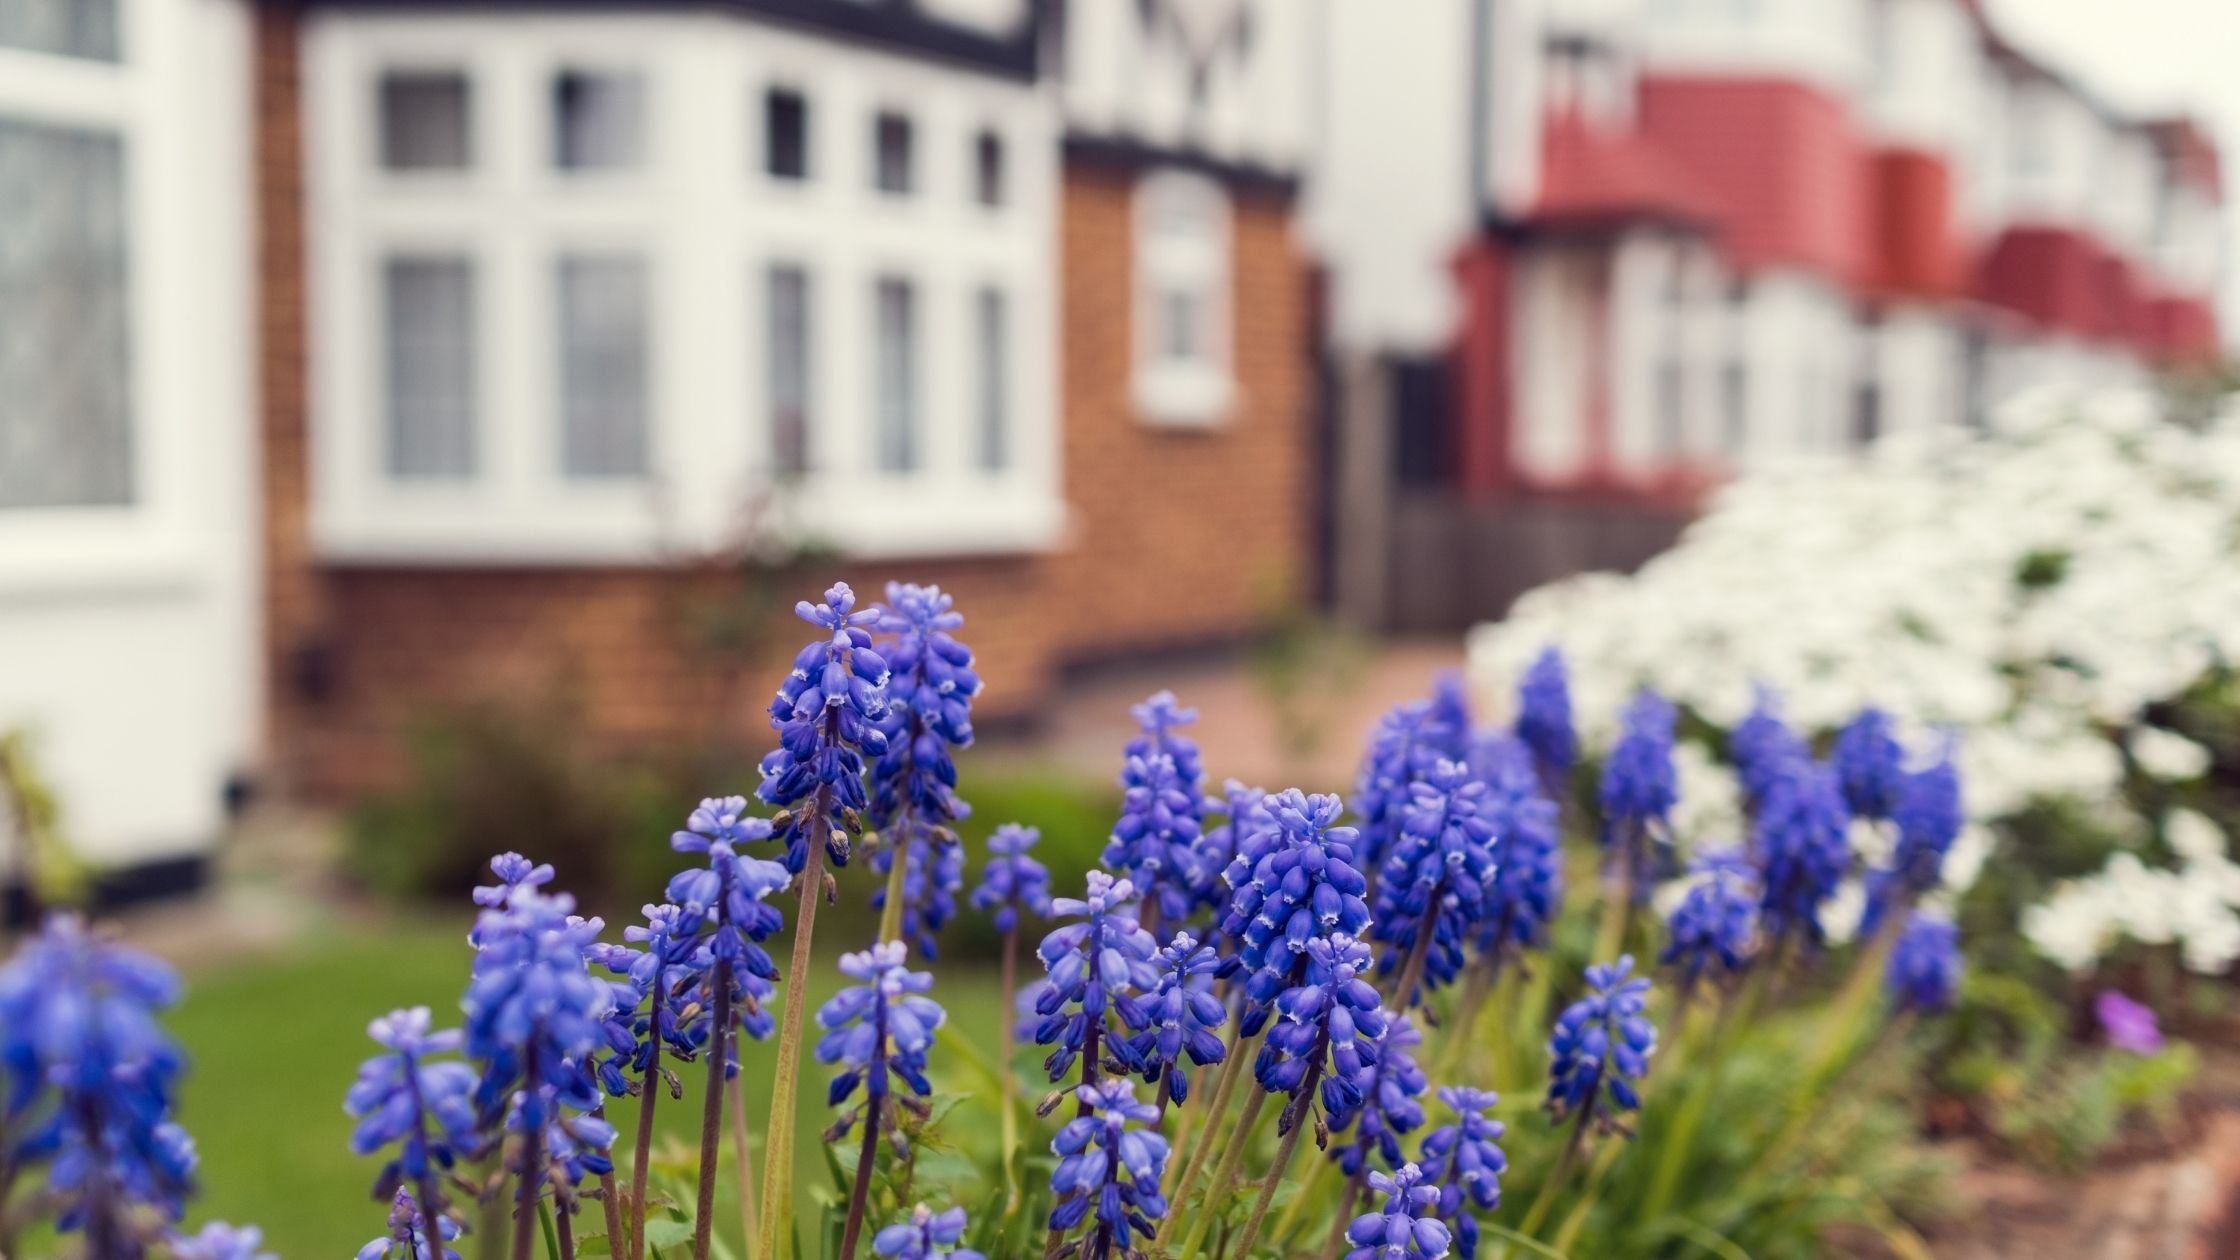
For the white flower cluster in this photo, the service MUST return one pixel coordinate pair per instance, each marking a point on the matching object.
(2196, 907)
(2032, 591)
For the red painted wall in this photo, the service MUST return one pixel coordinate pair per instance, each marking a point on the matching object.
(1915, 248)
(1481, 362)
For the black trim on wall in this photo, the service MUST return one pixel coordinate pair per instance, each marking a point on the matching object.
(1135, 155)
(893, 25)
(121, 887)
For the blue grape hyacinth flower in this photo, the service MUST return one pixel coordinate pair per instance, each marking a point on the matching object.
(1329, 1037)
(1111, 1165)
(1801, 844)
(1432, 889)
(1639, 788)
(878, 1030)
(1155, 843)
(828, 714)
(1391, 1106)
(1464, 1160)
(1924, 969)
(417, 1100)
(1012, 881)
(1544, 720)
(1601, 1047)
(1302, 885)
(1761, 746)
(408, 1237)
(1105, 956)
(1713, 931)
(91, 1081)
(930, 689)
(1410, 739)
(1527, 882)
(927, 1235)
(930, 884)
(1928, 816)
(1870, 764)
(1407, 1227)
(1179, 1020)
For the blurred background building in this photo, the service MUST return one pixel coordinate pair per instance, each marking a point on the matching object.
(359, 358)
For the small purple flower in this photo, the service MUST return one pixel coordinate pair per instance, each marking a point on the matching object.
(1761, 745)
(1012, 881)
(1408, 1227)
(828, 714)
(1332, 1028)
(930, 690)
(1180, 1019)
(1302, 885)
(412, 1097)
(1390, 1110)
(1544, 717)
(1409, 741)
(1601, 1046)
(1924, 969)
(2129, 1025)
(1527, 881)
(1639, 789)
(1105, 956)
(927, 1235)
(1465, 1161)
(1801, 844)
(1435, 874)
(1928, 815)
(408, 1238)
(879, 1028)
(1870, 764)
(1094, 1150)
(516, 874)
(1714, 929)
(220, 1241)
(1155, 843)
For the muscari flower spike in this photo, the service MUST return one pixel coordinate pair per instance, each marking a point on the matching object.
(1332, 1030)
(1801, 844)
(1601, 1046)
(1928, 818)
(1527, 881)
(1411, 738)
(1107, 1167)
(1924, 969)
(1761, 745)
(1435, 873)
(92, 1078)
(1714, 928)
(1544, 718)
(1180, 1019)
(662, 1002)
(1012, 881)
(1391, 1089)
(408, 1238)
(1639, 785)
(1869, 764)
(927, 1235)
(929, 888)
(1155, 843)
(828, 715)
(878, 1030)
(1105, 956)
(1408, 1227)
(930, 690)
(220, 1241)
(412, 1097)
(1464, 1160)
(1301, 885)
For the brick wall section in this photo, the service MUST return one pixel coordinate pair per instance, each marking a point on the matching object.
(1178, 538)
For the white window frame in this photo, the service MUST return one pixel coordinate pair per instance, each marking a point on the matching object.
(709, 220)
(1198, 392)
(187, 348)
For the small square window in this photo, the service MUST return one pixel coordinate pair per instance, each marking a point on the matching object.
(785, 134)
(65, 28)
(987, 169)
(424, 121)
(598, 121)
(891, 150)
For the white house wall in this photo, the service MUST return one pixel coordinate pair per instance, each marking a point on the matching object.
(1822, 42)
(129, 636)
(1128, 78)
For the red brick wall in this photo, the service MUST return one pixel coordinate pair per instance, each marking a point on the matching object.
(1178, 537)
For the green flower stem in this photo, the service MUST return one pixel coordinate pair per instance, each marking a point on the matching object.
(1553, 1186)
(711, 1111)
(649, 1090)
(1009, 1038)
(1308, 1191)
(898, 866)
(1590, 1194)
(1296, 1121)
(742, 1149)
(1617, 907)
(785, 1081)
(1225, 1174)
(1333, 1248)
(1216, 1110)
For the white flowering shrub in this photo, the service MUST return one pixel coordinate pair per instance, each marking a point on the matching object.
(2062, 594)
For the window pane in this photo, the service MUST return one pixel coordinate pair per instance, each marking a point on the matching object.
(431, 367)
(424, 121)
(785, 145)
(598, 121)
(65, 402)
(898, 376)
(891, 150)
(788, 369)
(1181, 316)
(603, 431)
(994, 408)
(70, 28)
(988, 169)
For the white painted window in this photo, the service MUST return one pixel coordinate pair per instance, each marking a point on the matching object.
(67, 28)
(1183, 285)
(987, 168)
(528, 348)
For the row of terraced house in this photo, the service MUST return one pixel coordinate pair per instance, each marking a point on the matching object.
(364, 357)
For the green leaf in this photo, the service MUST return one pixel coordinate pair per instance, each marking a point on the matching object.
(1532, 1245)
(669, 1231)
(551, 1239)
(594, 1245)
(1710, 1239)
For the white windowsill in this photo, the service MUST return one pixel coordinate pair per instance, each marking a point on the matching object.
(1183, 397)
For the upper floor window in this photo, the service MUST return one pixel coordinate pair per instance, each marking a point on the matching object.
(891, 157)
(424, 120)
(785, 134)
(1182, 298)
(66, 28)
(66, 431)
(987, 169)
(598, 120)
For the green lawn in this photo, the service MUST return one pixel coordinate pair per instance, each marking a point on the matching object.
(276, 1042)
